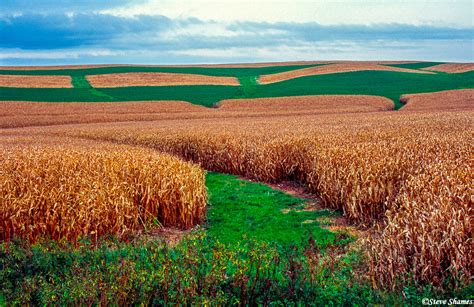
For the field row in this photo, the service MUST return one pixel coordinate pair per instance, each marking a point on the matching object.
(407, 174)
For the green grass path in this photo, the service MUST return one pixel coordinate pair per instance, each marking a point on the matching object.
(80, 82)
(240, 209)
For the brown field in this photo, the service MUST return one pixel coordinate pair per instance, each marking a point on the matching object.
(452, 68)
(331, 69)
(24, 114)
(384, 170)
(35, 81)
(439, 101)
(92, 190)
(157, 79)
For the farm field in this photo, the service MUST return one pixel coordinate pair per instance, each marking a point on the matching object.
(384, 81)
(296, 183)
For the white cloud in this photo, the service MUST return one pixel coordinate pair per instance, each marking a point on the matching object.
(213, 29)
(457, 51)
(335, 50)
(56, 54)
(457, 13)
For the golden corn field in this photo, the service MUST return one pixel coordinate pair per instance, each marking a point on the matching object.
(62, 191)
(222, 153)
(429, 228)
(407, 175)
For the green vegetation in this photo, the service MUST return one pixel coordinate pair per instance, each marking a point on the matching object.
(80, 82)
(418, 65)
(210, 71)
(243, 210)
(249, 86)
(199, 271)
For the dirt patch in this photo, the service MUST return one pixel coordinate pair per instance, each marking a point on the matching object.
(332, 69)
(310, 205)
(452, 100)
(453, 68)
(35, 81)
(170, 236)
(157, 79)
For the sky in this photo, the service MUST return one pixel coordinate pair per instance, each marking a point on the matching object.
(40, 32)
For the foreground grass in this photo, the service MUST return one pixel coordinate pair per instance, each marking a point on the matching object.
(252, 254)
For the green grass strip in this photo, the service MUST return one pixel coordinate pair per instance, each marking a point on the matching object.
(210, 71)
(240, 210)
(418, 65)
(249, 86)
(80, 81)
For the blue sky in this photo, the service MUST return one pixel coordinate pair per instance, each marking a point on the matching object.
(205, 31)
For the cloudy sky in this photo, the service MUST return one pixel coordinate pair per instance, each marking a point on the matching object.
(210, 31)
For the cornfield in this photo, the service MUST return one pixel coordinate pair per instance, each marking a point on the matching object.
(405, 174)
(363, 165)
(429, 232)
(68, 192)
